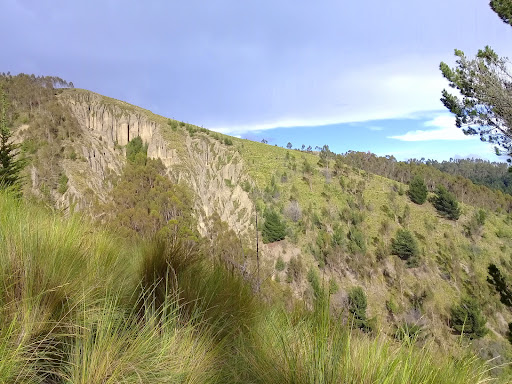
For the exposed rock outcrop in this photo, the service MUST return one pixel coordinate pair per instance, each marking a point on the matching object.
(212, 170)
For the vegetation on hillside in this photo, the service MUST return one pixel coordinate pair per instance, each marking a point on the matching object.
(81, 305)
(11, 164)
(403, 172)
(491, 174)
(33, 101)
(327, 226)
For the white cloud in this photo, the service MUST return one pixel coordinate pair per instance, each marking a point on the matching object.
(445, 129)
(393, 90)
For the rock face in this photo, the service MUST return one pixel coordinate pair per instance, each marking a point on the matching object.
(212, 170)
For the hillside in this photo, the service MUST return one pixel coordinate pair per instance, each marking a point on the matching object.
(338, 220)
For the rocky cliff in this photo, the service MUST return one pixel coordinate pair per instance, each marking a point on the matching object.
(212, 170)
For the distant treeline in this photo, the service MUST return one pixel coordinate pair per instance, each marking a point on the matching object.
(491, 174)
(32, 101)
(470, 180)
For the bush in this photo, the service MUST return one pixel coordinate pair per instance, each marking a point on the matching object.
(417, 190)
(280, 265)
(295, 270)
(446, 204)
(274, 228)
(357, 242)
(405, 246)
(474, 226)
(467, 319)
(228, 141)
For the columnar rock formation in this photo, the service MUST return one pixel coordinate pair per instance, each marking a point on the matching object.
(213, 171)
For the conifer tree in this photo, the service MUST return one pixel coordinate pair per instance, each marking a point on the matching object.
(357, 304)
(482, 103)
(10, 163)
(417, 190)
(467, 319)
(446, 204)
(404, 245)
(274, 228)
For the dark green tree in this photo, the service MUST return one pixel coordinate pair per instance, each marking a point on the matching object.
(467, 318)
(11, 164)
(446, 204)
(274, 228)
(417, 190)
(404, 245)
(504, 10)
(134, 148)
(484, 83)
(497, 280)
(357, 307)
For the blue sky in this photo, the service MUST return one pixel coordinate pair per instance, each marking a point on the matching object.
(354, 75)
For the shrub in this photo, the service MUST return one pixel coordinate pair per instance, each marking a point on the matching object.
(417, 190)
(357, 242)
(467, 318)
(63, 183)
(446, 204)
(474, 226)
(280, 265)
(228, 141)
(405, 246)
(295, 270)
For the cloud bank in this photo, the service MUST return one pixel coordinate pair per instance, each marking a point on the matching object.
(444, 129)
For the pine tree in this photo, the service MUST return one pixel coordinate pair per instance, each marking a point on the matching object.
(357, 304)
(404, 245)
(446, 204)
(274, 228)
(417, 190)
(10, 163)
(467, 319)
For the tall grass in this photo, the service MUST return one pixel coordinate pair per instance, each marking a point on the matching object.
(66, 308)
(78, 305)
(315, 348)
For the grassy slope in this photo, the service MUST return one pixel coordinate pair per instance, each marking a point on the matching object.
(67, 309)
(451, 266)
(69, 316)
(449, 260)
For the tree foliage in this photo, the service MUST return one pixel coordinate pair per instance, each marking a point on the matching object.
(405, 246)
(446, 204)
(498, 281)
(274, 228)
(484, 106)
(11, 164)
(417, 190)
(34, 101)
(357, 304)
(146, 202)
(504, 10)
(134, 147)
(434, 174)
(467, 318)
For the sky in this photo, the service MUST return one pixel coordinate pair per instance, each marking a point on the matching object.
(353, 75)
